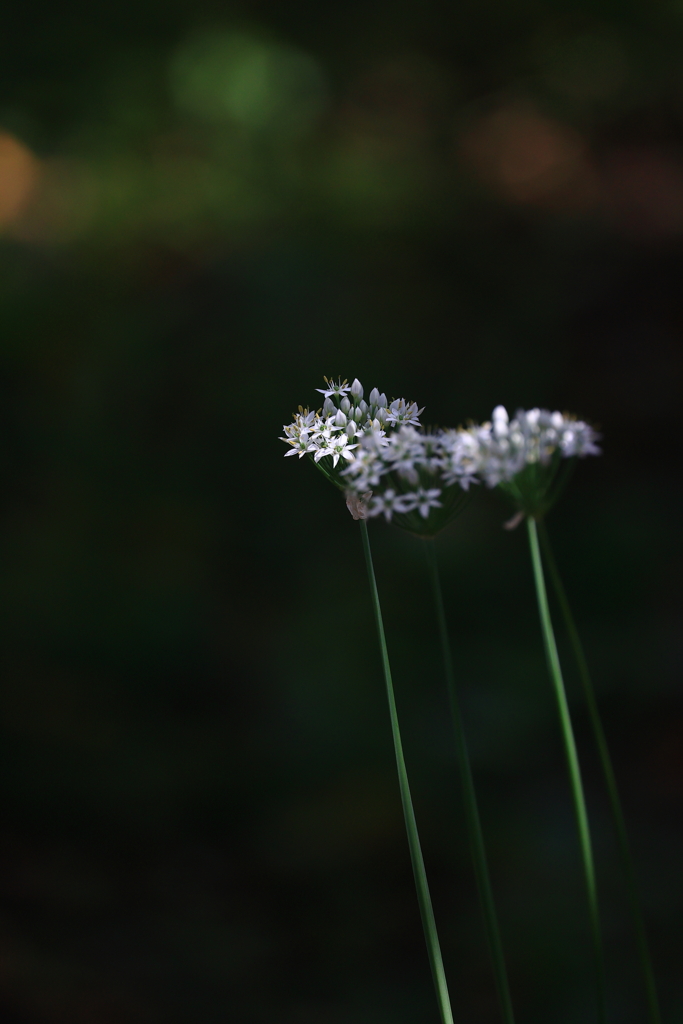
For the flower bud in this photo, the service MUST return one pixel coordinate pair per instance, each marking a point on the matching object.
(382, 416)
(383, 401)
(500, 421)
(340, 419)
(329, 408)
(345, 405)
(358, 414)
(374, 397)
(363, 406)
(350, 429)
(357, 390)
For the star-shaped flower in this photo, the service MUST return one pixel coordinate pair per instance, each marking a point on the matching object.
(335, 390)
(301, 445)
(424, 499)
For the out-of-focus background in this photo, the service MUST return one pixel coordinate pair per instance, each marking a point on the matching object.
(203, 209)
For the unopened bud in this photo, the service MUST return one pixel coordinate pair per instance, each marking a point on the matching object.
(357, 390)
(340, 419)
(344, 405)
(500, 421)
(374, 397)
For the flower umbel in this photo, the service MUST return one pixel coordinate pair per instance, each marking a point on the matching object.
(419, 479)
(527, 457)
(332, 435)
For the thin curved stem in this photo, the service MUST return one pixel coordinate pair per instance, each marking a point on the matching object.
(572, 764)
(419, 873)
(474, 832)
(610, 778)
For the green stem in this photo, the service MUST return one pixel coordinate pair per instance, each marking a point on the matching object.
(476, 839)
(572, 763)
(610, 779)
(423, 897)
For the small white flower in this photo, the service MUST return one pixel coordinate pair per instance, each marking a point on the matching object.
(423, 500)
(321, 452)
(300, 446)
(388, 503)
(323, 431)
(339, 448)
(303, 421)
(402, 413)
(338, 389)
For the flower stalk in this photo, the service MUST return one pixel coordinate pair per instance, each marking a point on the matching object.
(473, 822)
(610, 778)
(419, 873)
(572, 764)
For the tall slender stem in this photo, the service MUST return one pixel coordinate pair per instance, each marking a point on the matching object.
(419, 873)
(610, 778)
(572, 763)
(475, 836)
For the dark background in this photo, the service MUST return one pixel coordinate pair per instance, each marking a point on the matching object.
(203, 209)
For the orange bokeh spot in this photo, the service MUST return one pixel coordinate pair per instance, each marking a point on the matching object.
(530, 158)
(19, 173)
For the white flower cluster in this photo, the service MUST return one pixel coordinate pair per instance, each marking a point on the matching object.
(391, 467)
(414, 472)
(407, 465)
(504, 447)
(336, 430)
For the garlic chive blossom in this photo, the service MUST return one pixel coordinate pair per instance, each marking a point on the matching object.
(527, 457)
(376, 451)
(332, 435)
(418, 479)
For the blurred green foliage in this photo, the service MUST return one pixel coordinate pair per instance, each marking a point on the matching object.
(202, 211)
